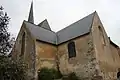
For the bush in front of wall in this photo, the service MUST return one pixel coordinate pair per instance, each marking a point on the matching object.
(48, 74)
(71, 76)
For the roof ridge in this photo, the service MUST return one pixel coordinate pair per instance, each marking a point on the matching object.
(75, 29)
(93, 18)
(44, 24)
(76, 22)
(41, 22)
(112, 42)
(39, 27)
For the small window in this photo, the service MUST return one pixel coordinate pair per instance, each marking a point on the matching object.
(71, 49)
(101, 35)
(23, 44)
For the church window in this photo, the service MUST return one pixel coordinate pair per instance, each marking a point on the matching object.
(23, 44)
(101, 35)
(71, 49)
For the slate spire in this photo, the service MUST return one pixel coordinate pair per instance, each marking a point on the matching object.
(31, 17)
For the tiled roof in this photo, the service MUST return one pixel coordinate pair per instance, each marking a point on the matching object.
(76, 29)
(44, 24)
(43, 32)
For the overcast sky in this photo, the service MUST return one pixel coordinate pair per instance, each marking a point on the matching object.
(61, 13)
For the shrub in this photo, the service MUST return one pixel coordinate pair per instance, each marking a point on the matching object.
(48, 74)
(71, 76)
(12, 69)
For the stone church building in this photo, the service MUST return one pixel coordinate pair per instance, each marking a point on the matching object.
(82, 47)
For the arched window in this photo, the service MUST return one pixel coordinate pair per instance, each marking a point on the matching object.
(71, 49)
(101, 35)
(23, 44)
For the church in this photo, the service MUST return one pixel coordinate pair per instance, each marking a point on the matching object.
(82, 47)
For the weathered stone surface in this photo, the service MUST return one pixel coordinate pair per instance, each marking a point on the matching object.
(29, 53)
(96, 58)
(107, 55)
(84, 63)
(45, 55)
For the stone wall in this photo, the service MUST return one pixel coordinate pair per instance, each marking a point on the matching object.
(104, 51)
(29, 54)
(116, 60)
(84, 64)
(45, 55)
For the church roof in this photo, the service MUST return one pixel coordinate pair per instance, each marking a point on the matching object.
(111, 42)
(74, 30)
(41, 33)
(44, 24)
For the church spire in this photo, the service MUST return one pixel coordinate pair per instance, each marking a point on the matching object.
(31, 17)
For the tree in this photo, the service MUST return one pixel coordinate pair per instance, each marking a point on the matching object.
(12, 69)
(9, 69)
(5, 40)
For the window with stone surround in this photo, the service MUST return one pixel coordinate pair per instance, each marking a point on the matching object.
(23, 44)
(102, 38)
(71, 49)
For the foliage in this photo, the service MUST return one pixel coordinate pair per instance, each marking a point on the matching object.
(71, 76)
(9, 69)
(12, 69)
(5, 40)
(48, 74)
